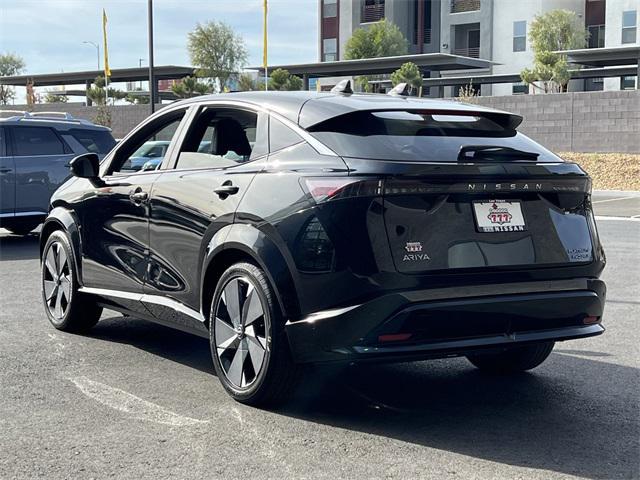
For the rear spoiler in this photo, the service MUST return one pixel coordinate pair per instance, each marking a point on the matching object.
(506, 120)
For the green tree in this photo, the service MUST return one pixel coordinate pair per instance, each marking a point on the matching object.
(217, 51)
(408, 73)
(246, 83)
(97, 92)
(52, 97)
(190, 87)
(382, 39)
(281, 79)
(137, 98)
(549, 32)
(10, 64)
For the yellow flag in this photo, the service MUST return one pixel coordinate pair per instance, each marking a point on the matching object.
(264, 54)
(107, 70)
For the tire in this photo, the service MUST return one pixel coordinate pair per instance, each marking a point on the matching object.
(21, 228)
(67, 309)
(514, 359)
(239, 328)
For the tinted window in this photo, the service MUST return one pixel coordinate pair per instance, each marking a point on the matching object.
(95, 141)
(2, 143)
(219, 138)
(281, 136)
(37, 141)
(417, 136)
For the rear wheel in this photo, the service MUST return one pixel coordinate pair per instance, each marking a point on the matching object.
(67, 308)
(515, 359)
(248, 344)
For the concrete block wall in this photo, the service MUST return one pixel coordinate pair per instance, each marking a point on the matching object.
(578, 121)
(123, 117)
(563, 122)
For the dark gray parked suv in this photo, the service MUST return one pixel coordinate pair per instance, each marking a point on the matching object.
(35, 150)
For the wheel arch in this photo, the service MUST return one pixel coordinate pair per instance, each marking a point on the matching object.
(246, 243)
(61, 218)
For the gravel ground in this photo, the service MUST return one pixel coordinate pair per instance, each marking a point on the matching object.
(609, 171)
(137, 400)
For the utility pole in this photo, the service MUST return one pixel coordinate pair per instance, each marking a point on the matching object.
(152, 81)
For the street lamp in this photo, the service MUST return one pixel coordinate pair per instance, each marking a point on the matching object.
(97, 47)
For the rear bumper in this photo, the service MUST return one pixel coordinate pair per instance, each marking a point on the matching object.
(450, 321)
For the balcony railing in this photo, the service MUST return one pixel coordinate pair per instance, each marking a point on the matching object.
(473, 52)
(372, 13)
(459, 6)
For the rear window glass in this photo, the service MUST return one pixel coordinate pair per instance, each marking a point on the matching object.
(37, 141)
(418, 136)
(95, 141)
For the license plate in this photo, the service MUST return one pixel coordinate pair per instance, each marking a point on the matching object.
(499, 216)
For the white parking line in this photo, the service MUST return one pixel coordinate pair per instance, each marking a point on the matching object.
(130, 404)
(611, 199)
(635, 218)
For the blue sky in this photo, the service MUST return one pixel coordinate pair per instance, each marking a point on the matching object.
(48, 34)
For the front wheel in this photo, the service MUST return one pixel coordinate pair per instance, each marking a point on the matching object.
(514, 359)
(248, 344)
(67, 309)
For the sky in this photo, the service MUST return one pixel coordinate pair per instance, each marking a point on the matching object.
(48, 34)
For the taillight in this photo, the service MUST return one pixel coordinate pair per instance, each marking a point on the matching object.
(323, 189)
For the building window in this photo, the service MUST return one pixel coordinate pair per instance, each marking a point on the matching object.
(519, 88)
(329, 8)
(329, 49)
(372, 10)
(629, 21)
(519, 36)
(596, 36)
(628, 83)
(460, 6)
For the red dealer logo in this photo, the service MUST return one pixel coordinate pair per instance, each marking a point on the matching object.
(499, 215)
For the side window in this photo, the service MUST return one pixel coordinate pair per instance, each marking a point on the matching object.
(146, 150)
(222, 137)
(281, 136)
(95, 141)
(36, 141)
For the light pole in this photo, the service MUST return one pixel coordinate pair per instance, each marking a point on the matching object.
(152, 80)
(97, 47)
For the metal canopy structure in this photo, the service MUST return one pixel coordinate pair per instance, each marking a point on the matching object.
(431, 62)
(607, 57)
(117, 75)
(604, 57)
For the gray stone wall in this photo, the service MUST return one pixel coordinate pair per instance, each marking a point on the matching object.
(565, 122)
(123, 117)
(579, 121)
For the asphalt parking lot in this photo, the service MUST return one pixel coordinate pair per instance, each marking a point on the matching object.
(134, 399)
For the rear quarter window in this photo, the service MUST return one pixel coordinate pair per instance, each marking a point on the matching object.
(408, 135)
(95, 141)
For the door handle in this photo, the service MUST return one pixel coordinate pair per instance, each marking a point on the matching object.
(226, 189)
(5, 170)
(138, 196)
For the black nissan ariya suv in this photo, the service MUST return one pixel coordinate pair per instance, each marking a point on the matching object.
(298, 227)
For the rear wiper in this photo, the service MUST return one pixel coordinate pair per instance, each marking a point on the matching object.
(488, 152)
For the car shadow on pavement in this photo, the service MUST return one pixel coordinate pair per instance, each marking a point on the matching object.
(575, 415)
(17, 247)
(165, 342)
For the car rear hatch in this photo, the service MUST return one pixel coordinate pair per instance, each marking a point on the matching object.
(464, 190)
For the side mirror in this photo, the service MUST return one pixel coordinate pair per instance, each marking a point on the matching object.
(87, 166)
